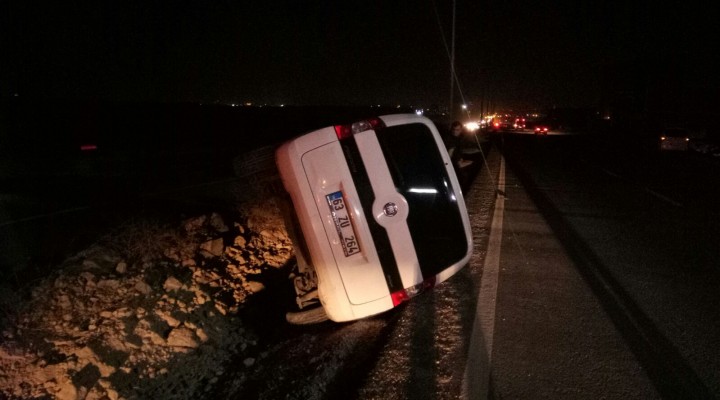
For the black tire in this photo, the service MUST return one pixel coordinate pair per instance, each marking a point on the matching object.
(310, 316)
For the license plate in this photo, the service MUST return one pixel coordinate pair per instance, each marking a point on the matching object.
(343, 224)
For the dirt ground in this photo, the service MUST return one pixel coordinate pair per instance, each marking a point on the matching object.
(152, 312)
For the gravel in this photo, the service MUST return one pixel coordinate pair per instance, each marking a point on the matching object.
(150, 312)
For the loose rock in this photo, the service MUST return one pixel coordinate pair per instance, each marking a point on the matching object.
(118, 324)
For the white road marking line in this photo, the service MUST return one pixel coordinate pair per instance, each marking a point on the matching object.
(477, 370)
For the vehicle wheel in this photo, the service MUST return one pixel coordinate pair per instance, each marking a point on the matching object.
(313, 315)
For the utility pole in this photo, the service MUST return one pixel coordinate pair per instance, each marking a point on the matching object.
(452, 64)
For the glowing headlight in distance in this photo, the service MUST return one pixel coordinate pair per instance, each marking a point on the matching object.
(472, 126)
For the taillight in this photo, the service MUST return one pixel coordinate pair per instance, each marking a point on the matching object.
(346, 131)
(343, 131)
(406, 294)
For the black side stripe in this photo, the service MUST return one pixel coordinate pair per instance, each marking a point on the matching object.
(367, 196)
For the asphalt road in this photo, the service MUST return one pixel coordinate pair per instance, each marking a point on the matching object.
(610, 274)
(552, 337)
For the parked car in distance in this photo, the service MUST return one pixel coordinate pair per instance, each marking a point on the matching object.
(380, 211)
(502, 124)
(674, 139)
(541, 129)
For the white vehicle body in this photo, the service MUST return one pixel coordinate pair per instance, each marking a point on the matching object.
(381, 211)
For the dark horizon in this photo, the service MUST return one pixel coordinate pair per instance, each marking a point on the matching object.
(517, 55)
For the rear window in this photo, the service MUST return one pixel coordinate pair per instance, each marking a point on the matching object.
(419, 174)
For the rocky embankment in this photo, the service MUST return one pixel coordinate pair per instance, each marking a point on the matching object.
(151, 312)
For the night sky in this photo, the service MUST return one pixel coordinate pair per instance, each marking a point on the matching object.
(521, 54)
